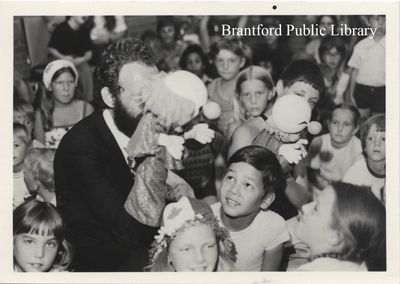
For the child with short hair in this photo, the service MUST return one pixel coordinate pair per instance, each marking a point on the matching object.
(40, 173)
(253, 179)
(367, 82)
(190, 239)
(229, 57)
(370, 169)
(254, 90)
(194, 60)
(39, 239)
(24, 113)
(21, 142)
(332, 154)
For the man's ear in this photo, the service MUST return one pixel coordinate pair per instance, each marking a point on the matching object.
(242, 62)
(279, 87)
(107, 97)
(267, 201)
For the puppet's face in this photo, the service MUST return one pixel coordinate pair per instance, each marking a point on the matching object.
(291, 113)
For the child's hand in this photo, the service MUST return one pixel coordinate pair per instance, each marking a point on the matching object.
(294, 152)
(173, 144)
(201, 133)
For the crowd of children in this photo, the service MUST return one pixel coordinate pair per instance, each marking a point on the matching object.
(253, 207)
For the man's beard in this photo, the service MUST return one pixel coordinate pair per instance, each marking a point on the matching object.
(125, 122)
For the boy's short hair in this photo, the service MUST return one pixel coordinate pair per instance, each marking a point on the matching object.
(267, 163)
(353, 109)
(24, 108)
(302, 70)
(21, 132)
(378, 120)
(329, 42)
(232, 44)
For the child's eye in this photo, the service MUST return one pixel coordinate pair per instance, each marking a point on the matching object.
(249, 186)
(229, 178)
(28, 242)
(211, 245)
(186, 249)
(52, 244)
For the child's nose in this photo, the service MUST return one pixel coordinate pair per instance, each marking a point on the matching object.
(253, 98)
(226, 64)
(235, 189)
(39, 251)
(198, 256)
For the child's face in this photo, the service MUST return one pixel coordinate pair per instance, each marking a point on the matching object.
(254, 96)
(315, 219)
(35, 253)
(19, 151)
(332, 58)
(242, 190)
(63, 88)
(194, 249)
(341, 127)
(167, 34)
(194, 64)
(378, 23)
(228, 64)
(24, 120)
(302, 89)
(326, 22)
(375, 145)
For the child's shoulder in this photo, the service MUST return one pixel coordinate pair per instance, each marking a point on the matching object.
(269, 219)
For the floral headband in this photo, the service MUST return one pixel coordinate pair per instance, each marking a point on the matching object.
(183, 214)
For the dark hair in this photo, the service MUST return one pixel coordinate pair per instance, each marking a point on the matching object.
(164, 21)
(378, 120)
(194, 48)
(117, 55)
(30, 216)
(61, 71)
(254, 72)
(329, 42)
(334, 19)
(353, 109)
(303, 71)
(21, 131)
(232, 44)
(361, 218)
(265, 161)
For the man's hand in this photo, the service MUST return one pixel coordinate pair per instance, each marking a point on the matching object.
(173, 144)
(294, 152)
(201, 133)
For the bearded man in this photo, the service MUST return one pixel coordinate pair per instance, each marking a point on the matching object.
(92, 172)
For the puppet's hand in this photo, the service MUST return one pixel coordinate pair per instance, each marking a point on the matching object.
(294, 152)
(201, 133)
(173, 144)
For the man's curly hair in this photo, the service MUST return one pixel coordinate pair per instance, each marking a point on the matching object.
(115, 56)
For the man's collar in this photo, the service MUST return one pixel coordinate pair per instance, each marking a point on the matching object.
(120, 137)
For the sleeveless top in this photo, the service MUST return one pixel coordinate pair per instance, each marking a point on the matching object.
(54, 135)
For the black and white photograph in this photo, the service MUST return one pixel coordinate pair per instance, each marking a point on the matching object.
(226, 138)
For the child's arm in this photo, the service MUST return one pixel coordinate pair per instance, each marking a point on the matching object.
(272, 259)
(38, 130)
(353, 77)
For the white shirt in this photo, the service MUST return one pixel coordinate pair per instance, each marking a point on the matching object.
(369, 58)
(267, 231)
(121, 138)
(332, 264)
(20, 190)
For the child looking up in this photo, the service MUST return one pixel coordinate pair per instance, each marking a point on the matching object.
(39, 239)
(370, 170)
(332, 154)
(39, 173)
(253, 179)
(21, 142)
(367, 82)
(190, 239)
(229, 58)
(254, 90)
(345, 229)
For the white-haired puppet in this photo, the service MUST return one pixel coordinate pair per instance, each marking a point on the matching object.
(170, 102)
(283, 132)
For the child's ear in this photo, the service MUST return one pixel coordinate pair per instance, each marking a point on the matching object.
(335, 238)
(267, 201)
(242, 62)
(355, 130)
(107, 97)
(279, 87)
